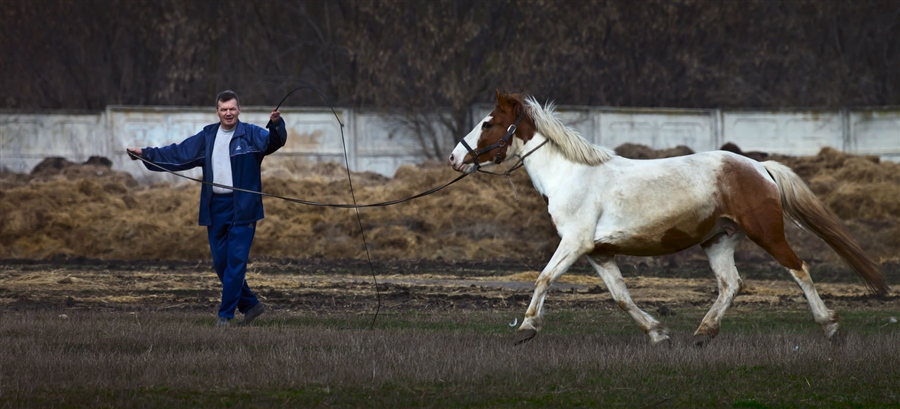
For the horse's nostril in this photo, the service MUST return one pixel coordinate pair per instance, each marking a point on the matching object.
(451, 158)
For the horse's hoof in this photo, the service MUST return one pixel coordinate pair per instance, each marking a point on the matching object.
(831, 329)
(701, 340)
(524, 335)
(662, 341)
(659, 336)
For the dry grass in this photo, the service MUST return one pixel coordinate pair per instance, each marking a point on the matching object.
(90, 211)
(451, 359)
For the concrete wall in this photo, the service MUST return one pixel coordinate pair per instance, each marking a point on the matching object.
(380, 143)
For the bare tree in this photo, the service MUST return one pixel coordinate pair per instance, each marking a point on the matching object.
(431, 61)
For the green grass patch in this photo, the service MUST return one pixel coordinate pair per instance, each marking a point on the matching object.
(762, 358)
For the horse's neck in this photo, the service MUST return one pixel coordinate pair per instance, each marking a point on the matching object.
(545, 165)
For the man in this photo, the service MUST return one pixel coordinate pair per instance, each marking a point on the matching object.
(231, 153)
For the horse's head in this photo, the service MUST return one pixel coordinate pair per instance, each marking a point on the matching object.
(494, 137)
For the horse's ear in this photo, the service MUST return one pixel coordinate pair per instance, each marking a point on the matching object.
(502, 101)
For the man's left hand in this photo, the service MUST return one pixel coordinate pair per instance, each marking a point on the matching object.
(275, 116)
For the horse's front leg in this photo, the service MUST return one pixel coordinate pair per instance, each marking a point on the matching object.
(563, 258)
(606, 267)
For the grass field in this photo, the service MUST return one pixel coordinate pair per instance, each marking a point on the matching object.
(764, 357)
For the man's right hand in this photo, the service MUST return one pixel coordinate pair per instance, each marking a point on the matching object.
(134, 153)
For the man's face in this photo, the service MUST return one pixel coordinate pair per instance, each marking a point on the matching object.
(228, 113)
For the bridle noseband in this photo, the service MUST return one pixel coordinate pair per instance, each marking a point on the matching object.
(501, 143)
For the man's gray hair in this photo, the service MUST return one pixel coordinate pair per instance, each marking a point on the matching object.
(226, 96)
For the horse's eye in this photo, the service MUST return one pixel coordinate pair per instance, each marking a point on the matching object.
(485, 125)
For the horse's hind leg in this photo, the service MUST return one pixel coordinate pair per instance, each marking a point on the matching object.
(608, 270)
(826, 318)
(720, 250)
(772, 241)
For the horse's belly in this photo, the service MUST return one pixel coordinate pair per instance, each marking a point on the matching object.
(672, 242)
(654, 240)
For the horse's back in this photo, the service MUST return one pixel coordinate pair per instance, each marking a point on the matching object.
(658, 206)
(699, 173)
(693, 172)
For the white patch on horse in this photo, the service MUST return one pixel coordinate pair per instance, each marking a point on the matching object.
(458, 155)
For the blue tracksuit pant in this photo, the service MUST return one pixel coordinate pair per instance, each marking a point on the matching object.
(230, 246)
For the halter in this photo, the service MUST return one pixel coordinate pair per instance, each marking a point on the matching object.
(501, 143)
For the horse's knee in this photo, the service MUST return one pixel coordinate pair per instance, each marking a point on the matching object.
(733, 286)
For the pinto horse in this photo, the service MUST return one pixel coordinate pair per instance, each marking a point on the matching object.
(602, 204)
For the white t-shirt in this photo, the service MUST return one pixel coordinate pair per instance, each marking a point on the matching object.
(221, 161)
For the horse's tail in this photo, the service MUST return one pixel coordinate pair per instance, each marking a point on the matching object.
(801, 205)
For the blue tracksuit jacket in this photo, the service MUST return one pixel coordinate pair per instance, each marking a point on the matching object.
(249, 145)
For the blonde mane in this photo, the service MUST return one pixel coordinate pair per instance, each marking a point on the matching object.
(566, 140)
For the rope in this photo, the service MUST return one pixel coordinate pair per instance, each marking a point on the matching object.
(518, 164)
(307, 202)
(354, 205)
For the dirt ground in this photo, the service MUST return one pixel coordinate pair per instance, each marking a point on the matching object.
(78, 236)
(337, 286)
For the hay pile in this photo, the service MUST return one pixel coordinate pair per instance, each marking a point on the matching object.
(88, 210)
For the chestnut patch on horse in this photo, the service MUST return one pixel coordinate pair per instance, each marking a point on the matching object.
(756, 207)
(509, 107)
(670, 240)
(677, 240)
(508, 110)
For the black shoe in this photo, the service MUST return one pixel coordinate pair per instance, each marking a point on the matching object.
(223, 322)
(252, 313)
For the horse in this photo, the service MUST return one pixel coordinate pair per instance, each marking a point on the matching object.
(602, 205)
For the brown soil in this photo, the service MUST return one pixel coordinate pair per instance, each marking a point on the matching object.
(344, 285)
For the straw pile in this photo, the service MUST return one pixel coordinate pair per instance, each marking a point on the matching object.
(63, 209)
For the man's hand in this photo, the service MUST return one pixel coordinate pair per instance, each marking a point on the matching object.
(274, 116)
(134, 153)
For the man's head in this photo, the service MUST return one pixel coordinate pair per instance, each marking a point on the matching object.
(228, 107)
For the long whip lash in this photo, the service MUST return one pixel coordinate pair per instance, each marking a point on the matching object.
(362, 231)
